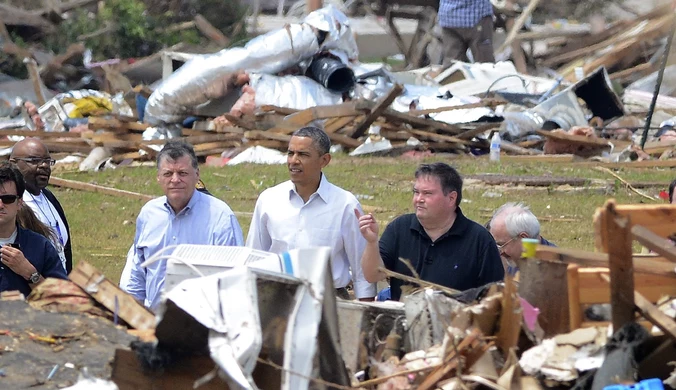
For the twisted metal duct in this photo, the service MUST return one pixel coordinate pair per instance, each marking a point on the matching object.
(210, 76)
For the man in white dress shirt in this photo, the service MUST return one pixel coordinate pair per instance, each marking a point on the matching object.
(35, 163)
(308, 211)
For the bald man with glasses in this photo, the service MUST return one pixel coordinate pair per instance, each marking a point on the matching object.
(32, 158)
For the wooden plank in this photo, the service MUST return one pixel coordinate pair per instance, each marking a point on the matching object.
(621, 266)
(117, 158)
(211, 32)
(39, 134)
(518, 150)
(76, 185)
(257, 134)
(574, 304)
(654, 315)
(469, 134)
(518, 24)
(581, 140)
(279, 110)
(128, 373)
(548, 158)
(302, 118)
(110, 296)
(381, 106)
(338, 123)
(415, 121)
(652, 241)
(426, 135)
(544, 285)
(488, 102)
(344, 140)
(642, 264)
(593, 289)
(659, 218)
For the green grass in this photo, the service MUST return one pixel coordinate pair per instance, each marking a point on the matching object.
(102, 226)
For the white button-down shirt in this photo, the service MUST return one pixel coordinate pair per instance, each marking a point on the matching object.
(282, 222)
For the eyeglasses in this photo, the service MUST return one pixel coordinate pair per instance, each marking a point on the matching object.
(36, 160)
(501, 246)
(8, 199)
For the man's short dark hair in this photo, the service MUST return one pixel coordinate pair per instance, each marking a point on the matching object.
(320, 139)
(175, 149)
(448, 177)
(9, 172)
(671, 190)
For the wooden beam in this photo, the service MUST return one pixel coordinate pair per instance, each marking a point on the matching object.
(596, 259)
(544, 285)
(105, 292)
(415, 121)
(489, 102)
(654, 242)
(655, 315)
(621, 266)
(76, 185)
(557, 158)
(582, 140)
(381, 106)
(211, 32)
(519, 23)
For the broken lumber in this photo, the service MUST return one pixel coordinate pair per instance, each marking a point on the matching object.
(112, 297)
(210, 31)
(382, 104)
(652, 241)
(642, 264)
(621, 266)
(58, 182)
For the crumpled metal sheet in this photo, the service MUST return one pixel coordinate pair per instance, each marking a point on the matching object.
(284, 294)
(208, 77)
(337, 24)
(297, 92)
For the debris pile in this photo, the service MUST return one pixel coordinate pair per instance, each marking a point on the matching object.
(309, 73)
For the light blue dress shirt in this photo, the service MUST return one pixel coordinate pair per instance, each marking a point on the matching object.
(204, 221)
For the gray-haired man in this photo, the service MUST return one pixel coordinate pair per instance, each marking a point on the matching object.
(183, 216)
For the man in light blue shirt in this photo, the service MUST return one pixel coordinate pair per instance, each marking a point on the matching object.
(182, 216)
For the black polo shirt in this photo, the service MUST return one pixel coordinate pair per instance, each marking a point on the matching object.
(464, 257)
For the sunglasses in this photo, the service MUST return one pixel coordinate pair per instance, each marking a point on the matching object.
(8, 199)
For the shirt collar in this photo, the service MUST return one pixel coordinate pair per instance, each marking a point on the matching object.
(457, 229)
(323, 192)
(191, 204)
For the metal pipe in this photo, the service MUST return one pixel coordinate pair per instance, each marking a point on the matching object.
(658, 84)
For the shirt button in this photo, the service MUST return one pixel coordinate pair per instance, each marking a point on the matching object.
(174, 238)
(432, 244)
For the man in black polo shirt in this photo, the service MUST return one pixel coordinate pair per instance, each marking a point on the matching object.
(443, 245)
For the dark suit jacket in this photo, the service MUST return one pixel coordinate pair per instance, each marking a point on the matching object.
(67, 248)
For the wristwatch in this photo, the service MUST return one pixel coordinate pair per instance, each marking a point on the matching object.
(34, 278)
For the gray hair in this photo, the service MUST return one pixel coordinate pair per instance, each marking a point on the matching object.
(320, 140)
(518, 219)
(175, 149)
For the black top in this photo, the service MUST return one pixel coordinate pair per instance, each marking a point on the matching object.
(464, 257)
(67, 250)
(39, 252)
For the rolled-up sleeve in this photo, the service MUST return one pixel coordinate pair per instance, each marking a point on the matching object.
(354, 244)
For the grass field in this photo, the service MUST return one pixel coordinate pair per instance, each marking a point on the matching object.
(102, 226)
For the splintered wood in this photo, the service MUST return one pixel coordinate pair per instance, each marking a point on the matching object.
(346, 124)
